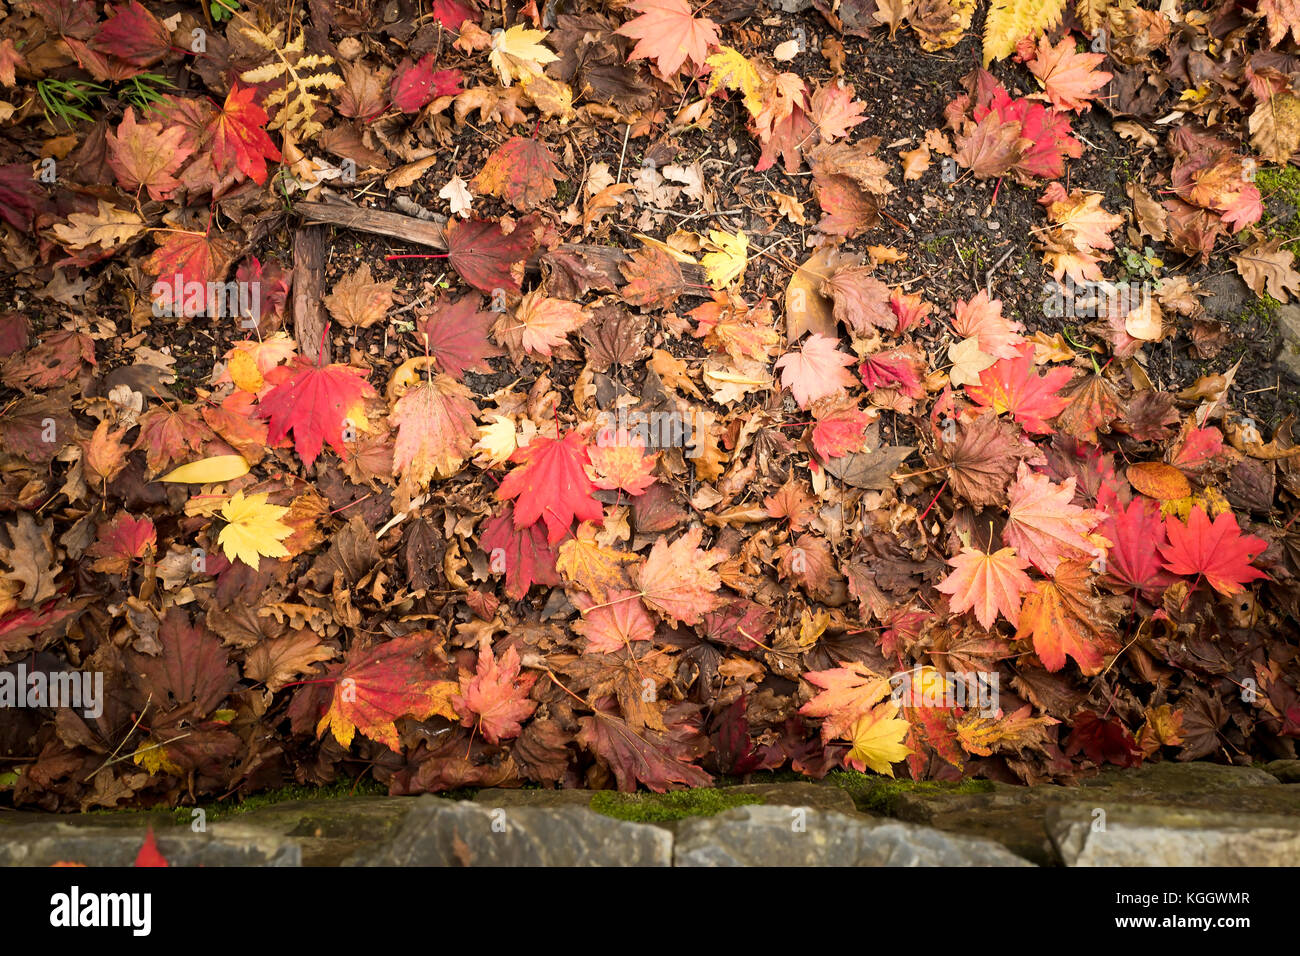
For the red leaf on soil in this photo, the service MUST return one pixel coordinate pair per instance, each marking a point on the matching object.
(1011, 385)
(315, 403)
(495, 698)
(185, 263)
(840, 427)
(521, 171)
(552, 484)
(1216, 550)
(144, 155)
(239, 137)
(416, 85)
(892, 368)
(523, 554)
(486, 257)
(456, 336)
(452, 13)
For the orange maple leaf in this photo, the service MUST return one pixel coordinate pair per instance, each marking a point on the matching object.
(1043, 523)
(669, 33)
(1063, 619)
(678, 581)
(987, 584)
(495, 698)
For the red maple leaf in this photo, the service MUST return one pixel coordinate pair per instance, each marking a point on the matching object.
(495, 698)
(1217, 551)
(655, 758)
(239, 137)
(1135, 533)
(452, 13)
(1104, 741)
(133, 34)
(120, 541)
(485, 257)
(521, 553)
(378, 684)
(892, 368)
(149, 854)
(315, 403)
(415, 85)
(456, 336)
(1011, 385)
(552, 484)
(1047, 131)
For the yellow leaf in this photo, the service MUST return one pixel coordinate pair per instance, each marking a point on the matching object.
(726, 263)
(496, 441)
(254, 530)
(244, 372)
(1010, 20)
(878, 739)
(731, 69)
(517, 54)
(209, 471)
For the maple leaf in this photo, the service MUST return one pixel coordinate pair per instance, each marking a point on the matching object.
(987, 583)
(485, 257)
(357, 301)
(1136, 532)
(982, 460)
(591, 566)
(654, 278)
(899, 369)
(731, 69)
(523, 554)
(193, 668)
(840, 427)
(315, 402)
(150, 855)
(967, 362)
(991, 146)
(1217, 551)
(1104, 741)
(435, 430)
(997, 336)
(517, 54)
(659, 759)
(416, 85)
(1070, 79)
(619, 461)
(670, 34)
(1045, 135)
(253, 529)
(379, 684)
(144, 155)
(1043, 523)
(539, 324)
(551, 484)
(614, 624)
(818, 370)
(849, 693)
(185, 262)
(120, 541)
(1094, 405)
(1008, 21)
(861, 301)
(677, 579)
(877, 739)
(133, 34)
(1063, 619)
(1011, 385)
(495, 698)
(455, 335)
(835, 111)
(726, 261)
(521, 171)
(239, 136)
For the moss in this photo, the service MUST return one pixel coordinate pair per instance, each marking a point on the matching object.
(1280, 185)
(666, 807)
(339, 789)
(565, 191)
(876, 794)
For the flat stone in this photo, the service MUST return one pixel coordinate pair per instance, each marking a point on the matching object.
(1286, 771)
(792, 836)
(329, 831)
(1228, 296)
(1288, 326)
(439, 832)
(225, 844)
(1143, 835)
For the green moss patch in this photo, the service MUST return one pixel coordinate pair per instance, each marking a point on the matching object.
(666, 807)
(875, 794)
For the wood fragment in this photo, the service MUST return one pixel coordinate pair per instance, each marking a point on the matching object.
(308, 291)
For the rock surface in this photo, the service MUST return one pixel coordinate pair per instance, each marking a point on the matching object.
(792, 836)
(226, 844)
